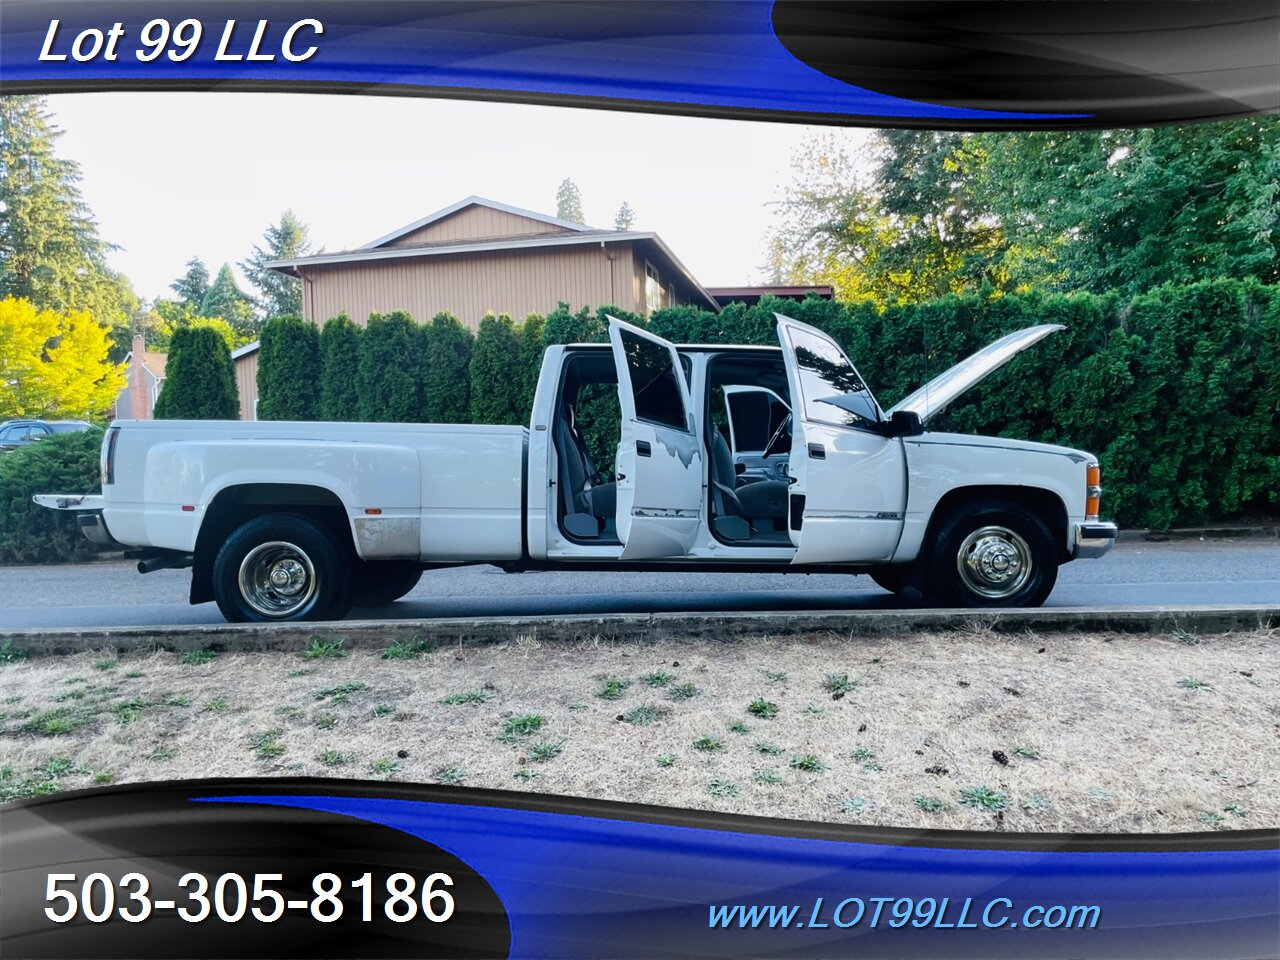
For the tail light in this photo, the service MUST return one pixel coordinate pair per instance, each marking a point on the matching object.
(1093, 491)
(109, 455)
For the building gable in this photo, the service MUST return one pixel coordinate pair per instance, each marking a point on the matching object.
(475, 219)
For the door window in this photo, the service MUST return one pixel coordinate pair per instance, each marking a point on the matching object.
(653, 382)
(831, 389)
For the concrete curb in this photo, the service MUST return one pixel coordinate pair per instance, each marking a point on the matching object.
(729, 627)
(1227, 532)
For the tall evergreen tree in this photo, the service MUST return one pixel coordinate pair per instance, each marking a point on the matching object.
(193, 286)
(200, 378)
(225, 299)
(390, 369)
(496, 387)
(50, 250)
(281, 294)
(569, 202)
(446, 389)
(529, 364)
(626, 217)
(288, 370)
(339, 364)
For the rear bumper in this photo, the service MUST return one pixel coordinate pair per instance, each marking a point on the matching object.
(88, 511)
(1093, 539)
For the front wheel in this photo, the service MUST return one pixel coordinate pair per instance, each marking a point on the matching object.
(993, 553)
(281, 567)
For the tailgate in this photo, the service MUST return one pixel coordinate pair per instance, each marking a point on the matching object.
(80, 502)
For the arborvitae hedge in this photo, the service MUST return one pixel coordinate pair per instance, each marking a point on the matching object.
(63, 463)
(1177, 391)
(447, 386)
(339, 397)
(200, 378)
(496, 387)
(389, 370)
(288, 370)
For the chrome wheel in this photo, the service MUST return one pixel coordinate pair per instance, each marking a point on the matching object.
(994, 562)
(277, 579)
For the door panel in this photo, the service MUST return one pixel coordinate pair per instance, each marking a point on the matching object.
(659, 461)
(851, 479)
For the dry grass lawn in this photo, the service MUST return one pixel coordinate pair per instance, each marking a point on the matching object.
(1056, 732)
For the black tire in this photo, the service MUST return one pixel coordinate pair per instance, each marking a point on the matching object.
(377, 583)
(897, 579)
(312, 570)
(980, 557)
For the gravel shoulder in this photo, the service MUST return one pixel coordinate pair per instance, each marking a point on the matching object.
(1052, 732)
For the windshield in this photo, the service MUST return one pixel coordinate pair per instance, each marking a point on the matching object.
(830, 387)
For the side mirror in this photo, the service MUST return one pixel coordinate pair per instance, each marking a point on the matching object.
(903, 423)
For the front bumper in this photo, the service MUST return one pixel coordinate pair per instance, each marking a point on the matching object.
(1093, 539)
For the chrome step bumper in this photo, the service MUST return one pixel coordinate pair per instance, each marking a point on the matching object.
(1093, 539)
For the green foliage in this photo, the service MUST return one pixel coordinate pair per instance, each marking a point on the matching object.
(225, 299)
(193, 286)
(281, 293)
(446, 387)
(912, 216)
(389, 370)
(289, 370)
(496, 387)
(1174, 390)
(50, 250)
(569, 202)
(200, 379)
(529, 364)
(339, 395)
(625, 218)
(63, 463)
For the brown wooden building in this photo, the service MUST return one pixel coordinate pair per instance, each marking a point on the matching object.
(478, 256)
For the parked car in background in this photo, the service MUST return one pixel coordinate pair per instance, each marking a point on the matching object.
(20, 433)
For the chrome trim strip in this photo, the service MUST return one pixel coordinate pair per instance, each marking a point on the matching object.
(1093, 539)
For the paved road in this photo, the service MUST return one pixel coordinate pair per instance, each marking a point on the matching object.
(1137, 573)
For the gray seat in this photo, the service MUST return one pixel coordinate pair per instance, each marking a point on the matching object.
(579, 495)
(759, 500)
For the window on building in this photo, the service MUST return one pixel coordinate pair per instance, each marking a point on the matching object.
(652, 289)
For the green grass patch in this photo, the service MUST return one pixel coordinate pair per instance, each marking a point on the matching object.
(683, 691)
(722, 787)
(11, 654)
(450, 776)
(762, 708)
(807, 762)
(335, 758)
(665, 760)
(194, 658)
(384, 709)
(321, 649)
(522, 725)
(341, 693)
(838, 683)
(612, 688)
(708, 744)
(266, 745)
(768, 778)
(59, 721)
(470, 696)
(928, 804)
(105, 665)
(544, 751)
(407, 650)
(659, 678)
(769, 749)
(644, 714)
(983, 798)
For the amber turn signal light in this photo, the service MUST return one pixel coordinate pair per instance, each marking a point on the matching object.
(1093, 491)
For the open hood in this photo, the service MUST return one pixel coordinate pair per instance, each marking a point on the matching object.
(934, 396)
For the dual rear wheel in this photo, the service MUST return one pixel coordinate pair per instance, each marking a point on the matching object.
(283, 567)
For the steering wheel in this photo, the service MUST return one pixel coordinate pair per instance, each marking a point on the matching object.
(776, 434)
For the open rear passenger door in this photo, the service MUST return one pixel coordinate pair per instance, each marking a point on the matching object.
(848, 487)
(659, 462)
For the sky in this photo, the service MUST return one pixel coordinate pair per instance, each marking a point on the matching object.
(175, 175)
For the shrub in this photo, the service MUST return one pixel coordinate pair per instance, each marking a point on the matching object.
(446, 387)
(63, 463)
(288, 370)
(389, 369)
(496, 388)
(200, 378)
(339, 395)
(529, 364)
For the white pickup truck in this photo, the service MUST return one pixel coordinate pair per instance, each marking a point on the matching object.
(730, 458)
